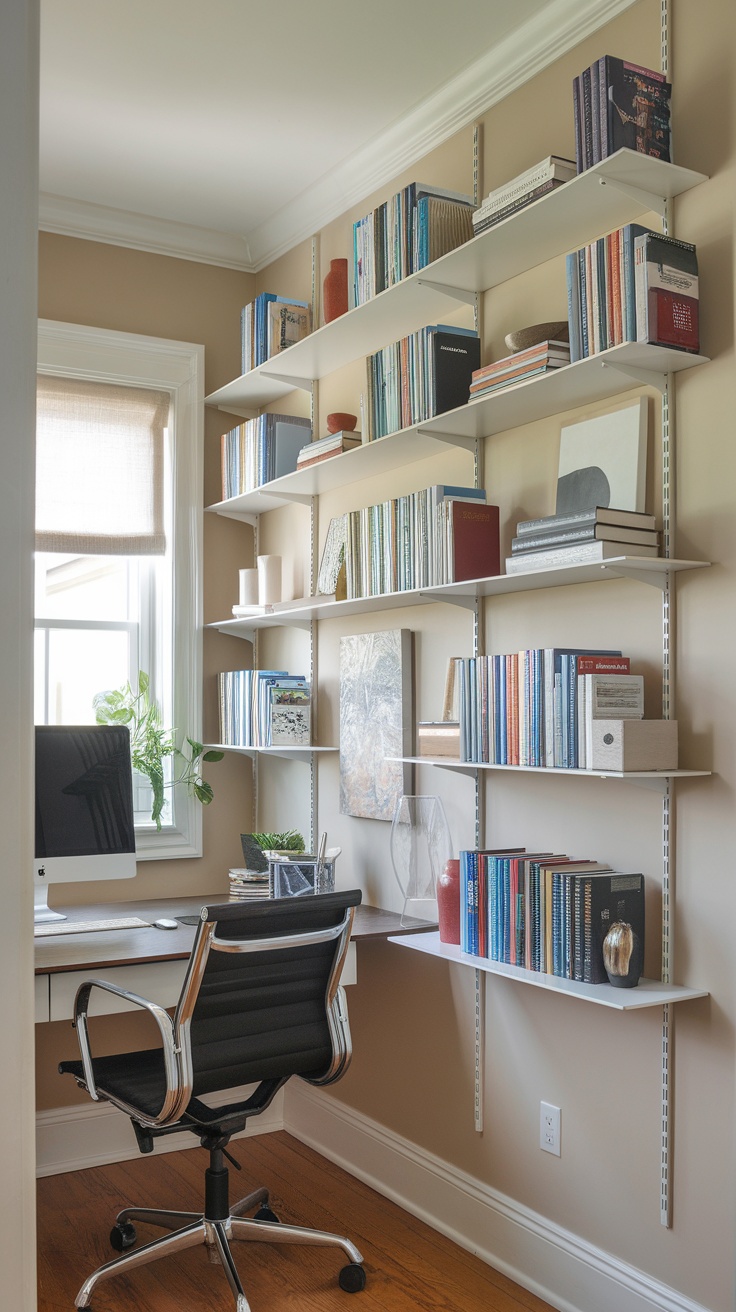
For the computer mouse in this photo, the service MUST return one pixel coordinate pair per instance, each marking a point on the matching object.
(166, 924)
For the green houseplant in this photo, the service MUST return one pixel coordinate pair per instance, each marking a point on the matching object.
(150, 743)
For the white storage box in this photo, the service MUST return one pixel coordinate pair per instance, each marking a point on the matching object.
(634, 745)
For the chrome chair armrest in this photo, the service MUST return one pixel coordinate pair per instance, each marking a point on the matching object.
(165, 1026)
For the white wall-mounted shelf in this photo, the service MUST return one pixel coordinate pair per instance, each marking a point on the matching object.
(646, 569)
(655, 779)
(586, 382)
(611, 193)
(647, 993)
(287, 753)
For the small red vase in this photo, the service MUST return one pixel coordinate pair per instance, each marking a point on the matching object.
(448, 902)
(335, 290)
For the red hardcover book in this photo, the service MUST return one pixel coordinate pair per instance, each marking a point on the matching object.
(474, 541)
(667, 295)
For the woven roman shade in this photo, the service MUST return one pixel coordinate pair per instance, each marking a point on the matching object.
(100, 468)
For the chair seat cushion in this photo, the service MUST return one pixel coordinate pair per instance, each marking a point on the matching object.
(135, 1078)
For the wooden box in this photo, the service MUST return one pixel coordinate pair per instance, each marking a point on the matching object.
(439, 738)
(634, 745)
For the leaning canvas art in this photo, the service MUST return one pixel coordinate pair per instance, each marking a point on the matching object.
(603, 461)
(375, 722)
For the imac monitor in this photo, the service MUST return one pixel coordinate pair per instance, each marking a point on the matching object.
(84, 807)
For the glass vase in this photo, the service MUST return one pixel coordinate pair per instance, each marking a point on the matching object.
(420, 847)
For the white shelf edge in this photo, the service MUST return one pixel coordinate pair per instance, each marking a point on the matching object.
(322, 608)
(564, 219)
(647, 993)
(288, 753)
(628, 776)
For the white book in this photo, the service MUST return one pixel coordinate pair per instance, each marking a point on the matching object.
(585, 554)
(551, 167)
(606, 697)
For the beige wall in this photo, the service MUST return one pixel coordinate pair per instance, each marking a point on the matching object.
(412, 1017)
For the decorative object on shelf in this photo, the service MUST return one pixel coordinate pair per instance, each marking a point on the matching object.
(150, 743)
(421, 848)
(439, 738)
(290, 841)
(630, 745)
(331, 574)
(269, 580)
(341, 422)
(622, 956)
(603, 461)
(335, 290)
(557, 330)
(306, 874)
(448, 902)
(248, 587)
(375, 713)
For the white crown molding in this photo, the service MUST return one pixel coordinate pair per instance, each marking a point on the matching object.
(142, 232)
(560, 26)
(514, 61)
(554, 1263)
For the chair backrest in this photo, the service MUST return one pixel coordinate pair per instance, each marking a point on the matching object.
(261, 999)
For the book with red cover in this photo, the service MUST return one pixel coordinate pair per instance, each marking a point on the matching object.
(475, 549)
(667, 296)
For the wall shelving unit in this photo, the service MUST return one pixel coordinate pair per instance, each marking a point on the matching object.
(618, 190)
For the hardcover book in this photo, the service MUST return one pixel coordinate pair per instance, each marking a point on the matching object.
(604, 900)
(667, 295)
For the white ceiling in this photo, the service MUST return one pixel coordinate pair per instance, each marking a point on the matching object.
(229, 130)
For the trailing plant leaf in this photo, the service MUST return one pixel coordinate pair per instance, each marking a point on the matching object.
(151, 743)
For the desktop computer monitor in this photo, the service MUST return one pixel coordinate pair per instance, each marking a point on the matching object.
(84, 808)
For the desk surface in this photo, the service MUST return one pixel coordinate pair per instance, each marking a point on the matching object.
(121, 947)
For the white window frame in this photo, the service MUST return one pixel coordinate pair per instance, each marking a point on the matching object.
(76, 351)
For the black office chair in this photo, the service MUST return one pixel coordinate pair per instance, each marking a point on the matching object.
(260, 1002)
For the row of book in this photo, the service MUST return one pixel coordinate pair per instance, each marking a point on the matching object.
(438, 535)
(633, 285)
(421, 375)
(538, 359)
(264, 708)
(268, 325)
(620, 104)
(515, 195)
(581, 537)
(411, 230)
(537, 707)
(259, 450)
(545, 912)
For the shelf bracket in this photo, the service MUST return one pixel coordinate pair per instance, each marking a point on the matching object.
(304, 384)
(654, 578)
(245, 412)
(656, 203)
(300, 498)
(649, 377)
(464, 601)
(456, 293)
(452, 439)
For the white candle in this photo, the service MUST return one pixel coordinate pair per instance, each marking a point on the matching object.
(248, 587)
(269, 580)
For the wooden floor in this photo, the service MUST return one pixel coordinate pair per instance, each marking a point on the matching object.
(409, 1266)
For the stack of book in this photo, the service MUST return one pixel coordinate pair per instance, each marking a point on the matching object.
(419, 376)
(323, 448)
(269, 324)
(536, 707)
(545, 912)
(247, 885)
(633, 285)
(581, 537)
(260, 450)
(416, 226)
(546, 176)
(264, 708)
(620, 104)
(438, 535)
(538, 359)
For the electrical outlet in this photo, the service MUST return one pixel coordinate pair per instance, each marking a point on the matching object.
(549, 1128)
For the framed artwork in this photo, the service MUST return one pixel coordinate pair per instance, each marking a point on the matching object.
(375, 722)
(603, 461)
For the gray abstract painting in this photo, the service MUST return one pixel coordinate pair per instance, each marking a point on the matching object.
(375, 722)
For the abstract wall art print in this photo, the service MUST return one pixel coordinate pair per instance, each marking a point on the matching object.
(375, 722)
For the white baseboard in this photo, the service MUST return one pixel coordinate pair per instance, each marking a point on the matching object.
(95, 1133)
(570, 1273)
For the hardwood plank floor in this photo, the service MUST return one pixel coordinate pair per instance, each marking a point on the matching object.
(410, 1267)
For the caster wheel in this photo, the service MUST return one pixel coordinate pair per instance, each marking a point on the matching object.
(352, 1278)
(265, 1214)
(123, 1237)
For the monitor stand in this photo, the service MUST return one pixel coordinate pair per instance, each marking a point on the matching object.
(42, 912)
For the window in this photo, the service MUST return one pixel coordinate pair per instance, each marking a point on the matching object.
(118, 564)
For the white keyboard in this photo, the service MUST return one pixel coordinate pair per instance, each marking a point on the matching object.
(53, 927)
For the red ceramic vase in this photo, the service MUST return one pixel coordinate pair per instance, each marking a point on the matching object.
(335, 290)
(448, 902)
